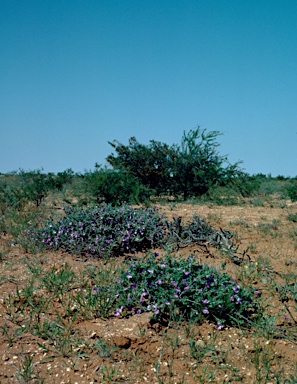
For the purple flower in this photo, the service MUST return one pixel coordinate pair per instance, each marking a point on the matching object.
(205, 301)
(129, 276)
(144, 293)
(236, 288)
(219, 326)
(118, 311)
(238, 300)
(258, 292)
(159, 282)
(156, 310)
(174, 283)
(141, 300)
(156, 254)
(186, 287)
(96, 290)
(205, 311)
(232, 298)
(186, 273)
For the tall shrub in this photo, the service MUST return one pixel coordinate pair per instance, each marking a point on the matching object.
(150, 164)
(188, 169)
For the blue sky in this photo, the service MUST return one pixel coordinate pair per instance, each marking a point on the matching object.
(77, 74)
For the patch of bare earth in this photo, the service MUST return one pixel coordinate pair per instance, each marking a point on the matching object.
(138, 352)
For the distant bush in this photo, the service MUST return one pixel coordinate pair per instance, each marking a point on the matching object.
(35, 185)
(221, 196)
(115, 187)
(183, 289)
(292, 191)
(61, 178)
(103, 231)
(292, 217)
(10, 196)
(189, 169)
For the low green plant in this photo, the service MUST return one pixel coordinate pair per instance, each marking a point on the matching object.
(252, 247)
(292, 217)
(12, 335)
(182, 289)
(59, 281)
(115, 187)
(103, 348)
(262, 358)
(61, 339)
(26, 373)
(269, 228)
(108, 374)
(96, 302)
(219, 195)
(259, 201)
(103, 231)
(292, 191)
(201, 348)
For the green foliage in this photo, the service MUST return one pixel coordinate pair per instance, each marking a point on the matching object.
(35, 185)
(292, 191)
(104, 230)
(292, 217)
(188, 170)
(21, 187)
(151, 164)
(221, 196)
(60, 281)
(179, 289)
(10, 195)
(198, 166)
(62, 178)
(104, 349)
(115, 187)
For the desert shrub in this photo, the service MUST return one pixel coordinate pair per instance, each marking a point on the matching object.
(292, 217)
(221, 196)
(104, 230)
(35, 185)
(10, 196)
(22, 187)
(292, 191)
(151, 164)
(115, 187)
(182, 289)
(198, 165)
(274, 187)
(189, 169)
(62, 178)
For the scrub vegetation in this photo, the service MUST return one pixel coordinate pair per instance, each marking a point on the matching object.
(169, 265)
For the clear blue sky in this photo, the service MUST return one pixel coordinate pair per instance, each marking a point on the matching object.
(77, 74)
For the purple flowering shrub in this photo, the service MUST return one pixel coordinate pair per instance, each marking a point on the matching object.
(103, 230)
(182, 289)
